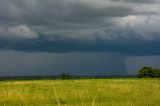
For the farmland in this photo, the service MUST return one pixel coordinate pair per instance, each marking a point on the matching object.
(85, 92)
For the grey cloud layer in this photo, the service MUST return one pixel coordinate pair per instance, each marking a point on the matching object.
(126, 26)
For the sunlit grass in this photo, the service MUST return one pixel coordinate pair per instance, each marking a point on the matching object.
(95, 92)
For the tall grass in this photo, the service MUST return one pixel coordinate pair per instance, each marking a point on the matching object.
(95, 92)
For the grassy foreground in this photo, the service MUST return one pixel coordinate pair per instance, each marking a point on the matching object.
(100, 92)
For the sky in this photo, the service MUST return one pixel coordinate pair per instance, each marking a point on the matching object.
(81, 37)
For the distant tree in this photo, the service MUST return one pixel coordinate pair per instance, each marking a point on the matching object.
(65, 76)
(145, 72)
(157, 73)
(148, 72)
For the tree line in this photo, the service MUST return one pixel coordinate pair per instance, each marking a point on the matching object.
(148, 72)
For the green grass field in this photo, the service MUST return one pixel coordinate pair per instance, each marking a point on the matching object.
(92, 92)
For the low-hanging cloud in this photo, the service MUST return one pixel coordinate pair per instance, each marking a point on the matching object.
(21, 31)
(123, 26)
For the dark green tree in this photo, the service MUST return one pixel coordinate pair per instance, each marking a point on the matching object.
(157, 73)
(65, 76)
(148, 72)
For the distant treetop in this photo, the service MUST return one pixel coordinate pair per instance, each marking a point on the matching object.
(149, 72)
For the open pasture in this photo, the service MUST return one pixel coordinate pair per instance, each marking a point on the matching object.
(86, 92)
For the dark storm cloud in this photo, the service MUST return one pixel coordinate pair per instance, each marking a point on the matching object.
(123, 26)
